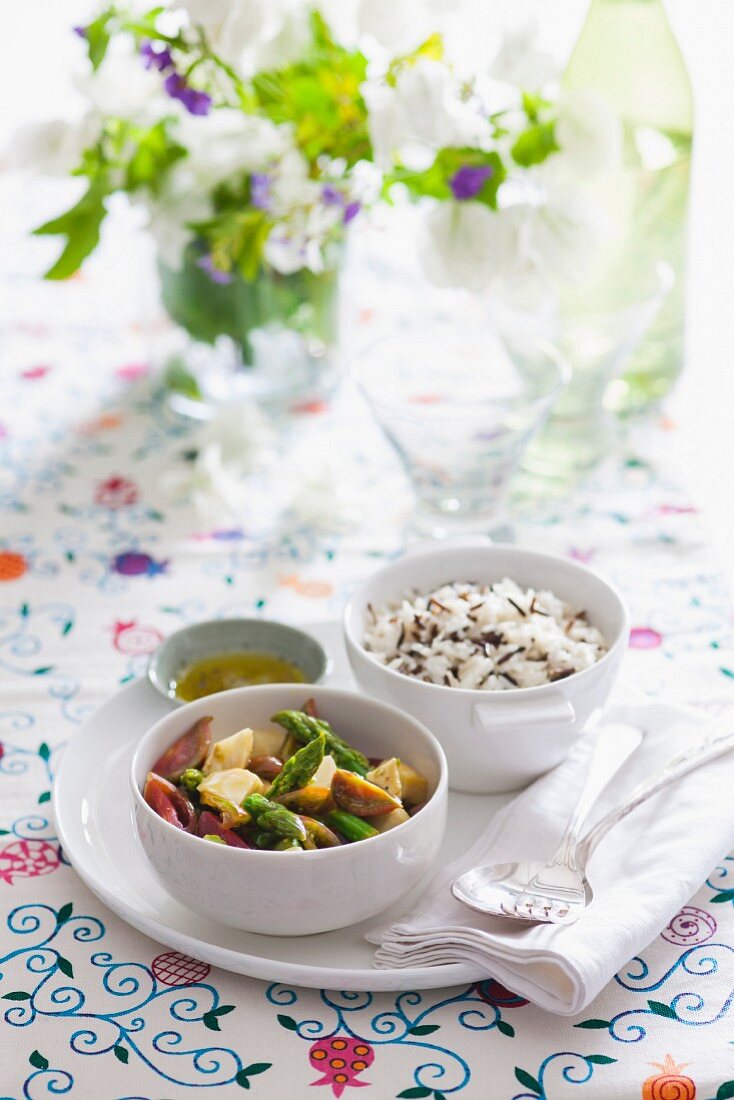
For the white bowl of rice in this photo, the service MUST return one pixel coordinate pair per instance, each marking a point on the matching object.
(504, 653)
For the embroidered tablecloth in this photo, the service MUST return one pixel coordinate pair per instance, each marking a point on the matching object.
(98, 562)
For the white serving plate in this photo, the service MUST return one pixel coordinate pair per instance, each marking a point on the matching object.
(93, 811)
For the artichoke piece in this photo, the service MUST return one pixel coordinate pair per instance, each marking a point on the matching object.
(187, 752)
(169, 802)
(351, 828)
(389, 821)
(267, 742)
(415, 786)
(225, 791)
(387, 776)
(324, 774)
(232, 752)
(357, 796)
(319, 835)
(308, 800)
(300, 769)
(210, 825)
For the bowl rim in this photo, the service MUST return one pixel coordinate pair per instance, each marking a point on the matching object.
(344, 850)
(475, 694)
(151, 667)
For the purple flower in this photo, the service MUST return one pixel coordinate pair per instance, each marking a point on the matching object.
(351, 210)
(260, 190)
(80, 32)
(156, 56)
(331, 195)
(215, 273)
(195, 102)
(469, 181)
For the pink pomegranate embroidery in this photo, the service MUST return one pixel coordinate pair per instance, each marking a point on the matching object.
(116, 492)
(644, 637)
(134, 639)
(341, 1058)
(27, 859)
(175, 968)
(131, 372)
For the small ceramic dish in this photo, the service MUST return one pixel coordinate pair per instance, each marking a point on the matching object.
(495, 741)
(297, 893)
(193, 643)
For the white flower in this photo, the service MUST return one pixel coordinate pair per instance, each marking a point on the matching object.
(53, 148)
(458, 245)
(286, 43)
(227, 142)
(291, 186)
(424, 108)
(588, 132)
(298, 241)
(519, 60)
(124, 88)
(180, 203)
(399, 26)
(235, 26)
(323, 501)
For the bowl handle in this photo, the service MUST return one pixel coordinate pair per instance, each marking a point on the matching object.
(556, 709)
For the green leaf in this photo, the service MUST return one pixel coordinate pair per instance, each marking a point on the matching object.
(209, 1020)
(242, 1080)
(44, 751)
(725, 895)
(65, 966)
(599, 1059)
(155, 152)
(43, 671)
(439, 1096)
(601, 1025)
(97, 35)
(287, 1022)
(255, 1068)
(506, 1029)
(416, 1092)
(527, 1081)
(435, 182)
(17, 996)
(64, 913)
(81, 226)
(661, 1009)
(180, 380)
(223, 1010)
(727, 672)
(4, 832)
(423, 1029)
(535, 144)
(24, 610)
(67, 627)
(726, 1091)
(38, 1061)
(45, 797)
(121, 1053)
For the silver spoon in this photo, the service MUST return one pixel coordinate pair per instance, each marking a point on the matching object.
(553, 890)
(486, 889)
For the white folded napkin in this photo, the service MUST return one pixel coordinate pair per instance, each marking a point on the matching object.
(642, 872)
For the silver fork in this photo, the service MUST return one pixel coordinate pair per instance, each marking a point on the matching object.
(557, 887)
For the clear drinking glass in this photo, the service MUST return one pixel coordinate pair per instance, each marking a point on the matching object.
(597, 336)
(460, 414)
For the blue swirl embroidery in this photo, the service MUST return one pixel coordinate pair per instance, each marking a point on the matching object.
(577, 1072)
(125, 1028)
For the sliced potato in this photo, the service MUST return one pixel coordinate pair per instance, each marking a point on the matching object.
(267, 742)
(225, 790)
(232, 752)
(389, 821)
(415, 787)
(324, 774)
(387, 776)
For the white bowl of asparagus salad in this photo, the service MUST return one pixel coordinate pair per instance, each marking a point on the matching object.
(273, 810)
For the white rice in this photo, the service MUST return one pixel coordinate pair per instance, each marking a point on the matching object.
(484, 637)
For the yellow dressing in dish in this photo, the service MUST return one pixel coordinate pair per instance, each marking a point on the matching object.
(230, 670)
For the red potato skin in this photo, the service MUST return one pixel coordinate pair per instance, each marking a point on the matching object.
(169, 803)
(209, 823)
(189, 751)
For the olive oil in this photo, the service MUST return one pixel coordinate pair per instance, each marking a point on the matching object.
(231, 670)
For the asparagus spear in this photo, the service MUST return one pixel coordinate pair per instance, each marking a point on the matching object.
(191, 779)
(351, 828)
(272, 818)
(306, 729)
(299, 769)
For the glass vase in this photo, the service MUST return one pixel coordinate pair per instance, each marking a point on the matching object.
(272, 339)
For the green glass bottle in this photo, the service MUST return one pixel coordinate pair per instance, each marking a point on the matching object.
(627, 52)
